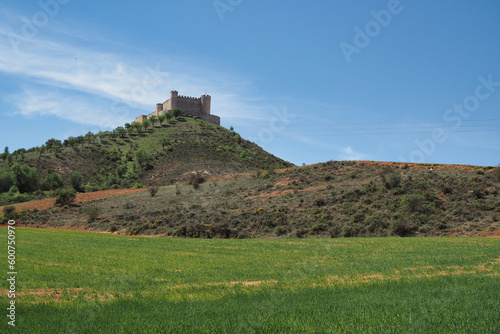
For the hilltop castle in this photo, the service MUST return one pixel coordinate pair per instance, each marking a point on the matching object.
(189, 105)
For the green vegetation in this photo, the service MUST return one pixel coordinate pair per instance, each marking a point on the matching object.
(322, 200)
(52, 181)
(153, 153)
(76, 180)
(85, 282)
(65, 197)
(26, 178)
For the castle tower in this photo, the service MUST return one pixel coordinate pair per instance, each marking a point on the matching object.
(174, 96)
(159, 109)
(205, 104)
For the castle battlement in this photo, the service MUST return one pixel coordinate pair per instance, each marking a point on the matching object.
(189, 97)
(194, 106)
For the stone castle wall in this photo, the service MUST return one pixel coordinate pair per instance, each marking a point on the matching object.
(194, 106)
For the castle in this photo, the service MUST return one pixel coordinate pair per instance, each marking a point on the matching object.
(189, 105)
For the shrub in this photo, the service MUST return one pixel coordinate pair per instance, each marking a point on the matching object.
(26, 177)
(153, 191)
(496, 173)
(195, 179)
(137, 185)
(92, 212)
(318, 228)
(76, 180)
(65, 197)
(320, 202)
(402, 229)
(238, 138)
(52, 181)
(90, 187)
(300, 233)
(280, 230)
(128, 205)
(177, 112)
(393, 181)
(7, 180)
(479, 193)
(412, 203)
(334, 231)
(8, 210)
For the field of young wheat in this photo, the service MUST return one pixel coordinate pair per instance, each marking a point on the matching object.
(72, 281)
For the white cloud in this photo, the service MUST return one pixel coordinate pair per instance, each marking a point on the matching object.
(350, 154)
(34, 103)
(117, 86)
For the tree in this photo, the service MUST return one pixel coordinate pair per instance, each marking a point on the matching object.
(40, 150)
(5, 154)
(146, 123)
(80, 140)
(162, 119)
(169, 116)
(20, 153)
(52, 181)
(121, 170)
(89, 137)
(137, 126)
(177, 112)
(53, 144)
(153, 120)
(76, 180)
(101, 136)
(143, 159)
(164, 142)
(122, 132)
(7, 180)
(26, 177)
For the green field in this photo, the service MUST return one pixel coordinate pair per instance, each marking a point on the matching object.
(82, 282)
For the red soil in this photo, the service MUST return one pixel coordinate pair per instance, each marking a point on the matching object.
(50, 202)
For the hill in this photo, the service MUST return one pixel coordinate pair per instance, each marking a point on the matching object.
(332, 199)
(164, 154)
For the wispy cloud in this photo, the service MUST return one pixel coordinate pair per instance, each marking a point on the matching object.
(349, 154)
(107, 87)
(338, 151)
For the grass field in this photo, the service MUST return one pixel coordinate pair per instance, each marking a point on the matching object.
(82, 282)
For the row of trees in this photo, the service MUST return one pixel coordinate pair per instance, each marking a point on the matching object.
(16, 155)
(148, 122)
(24, 179)
(55, 145)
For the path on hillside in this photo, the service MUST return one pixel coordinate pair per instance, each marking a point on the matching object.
(48, 203)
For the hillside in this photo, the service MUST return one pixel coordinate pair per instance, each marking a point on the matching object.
(157, 156)
(332, 199)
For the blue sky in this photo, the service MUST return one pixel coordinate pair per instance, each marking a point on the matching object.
(309, 81)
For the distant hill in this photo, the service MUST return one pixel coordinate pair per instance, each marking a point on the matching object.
(160, 155)
(332, 199)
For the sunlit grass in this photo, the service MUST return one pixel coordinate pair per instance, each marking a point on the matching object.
(287, 285)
